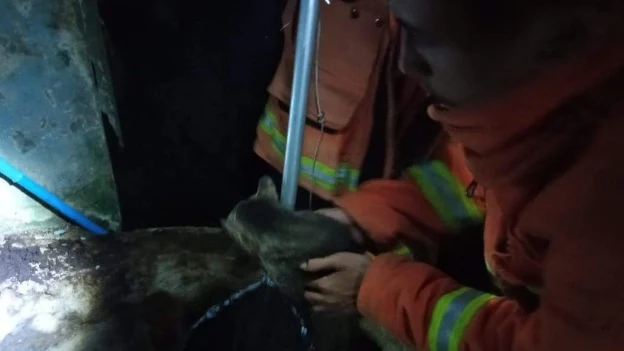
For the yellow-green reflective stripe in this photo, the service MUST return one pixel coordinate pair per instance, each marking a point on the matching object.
(430, 192)
(321, 173)
(349, 176)
(451, 316)
(326, 177)
(445, 194)
(403, 250)
(471, 207)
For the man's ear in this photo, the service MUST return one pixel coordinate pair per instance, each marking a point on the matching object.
(267, 189)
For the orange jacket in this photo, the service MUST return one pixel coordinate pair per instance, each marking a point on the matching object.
(549, 156)
(351, 64)
(356, 51)
(416, 211)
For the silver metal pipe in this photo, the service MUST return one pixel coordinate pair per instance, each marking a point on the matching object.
(304, 55)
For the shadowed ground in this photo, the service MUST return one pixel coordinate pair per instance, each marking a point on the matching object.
(141, 291)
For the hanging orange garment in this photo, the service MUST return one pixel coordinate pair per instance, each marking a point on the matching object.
(355, 54)
(549, 156)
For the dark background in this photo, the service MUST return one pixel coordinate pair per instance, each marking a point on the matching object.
(190, 78)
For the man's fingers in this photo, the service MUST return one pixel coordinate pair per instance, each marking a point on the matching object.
(315, 298)
(335, 214)
(330, 263)
(320, 308)
(320, 284)
(320, 264)
(318, 302)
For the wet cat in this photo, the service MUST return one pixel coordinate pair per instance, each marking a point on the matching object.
(283, 239)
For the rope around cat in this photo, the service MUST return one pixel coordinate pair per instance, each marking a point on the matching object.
(214, 310)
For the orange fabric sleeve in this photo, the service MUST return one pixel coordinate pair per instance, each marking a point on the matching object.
(393, 212)
(581, 304)
(582, 295)
(405, 303)
(406, 306)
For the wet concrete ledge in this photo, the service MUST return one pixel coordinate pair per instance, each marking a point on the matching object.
(68, 290)
(75, 291)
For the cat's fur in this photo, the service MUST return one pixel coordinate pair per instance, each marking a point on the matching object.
(284, 239)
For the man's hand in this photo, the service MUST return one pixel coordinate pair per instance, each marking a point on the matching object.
(337, 291)
(342, 217)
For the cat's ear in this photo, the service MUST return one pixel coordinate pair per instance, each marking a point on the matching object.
(267, 189)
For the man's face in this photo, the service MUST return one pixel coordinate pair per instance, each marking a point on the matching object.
(458, 56)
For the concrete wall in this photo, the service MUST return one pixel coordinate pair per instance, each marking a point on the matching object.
(55, 95)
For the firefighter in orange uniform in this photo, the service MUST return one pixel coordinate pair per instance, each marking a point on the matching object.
(534, 91)
(367, 133)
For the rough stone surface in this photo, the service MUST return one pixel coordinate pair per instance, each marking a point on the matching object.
(142, 291)
(79, 292)
(56, 96)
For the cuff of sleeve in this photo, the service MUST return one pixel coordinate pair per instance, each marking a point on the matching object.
(400, 295)
(372, 297)
(370, 214)
(393, 213)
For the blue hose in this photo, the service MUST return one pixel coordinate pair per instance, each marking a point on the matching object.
(16, 177)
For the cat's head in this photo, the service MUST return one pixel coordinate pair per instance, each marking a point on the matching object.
(282, 238)
(256, 216)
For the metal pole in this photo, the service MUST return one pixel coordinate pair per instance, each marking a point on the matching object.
(304, 54)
